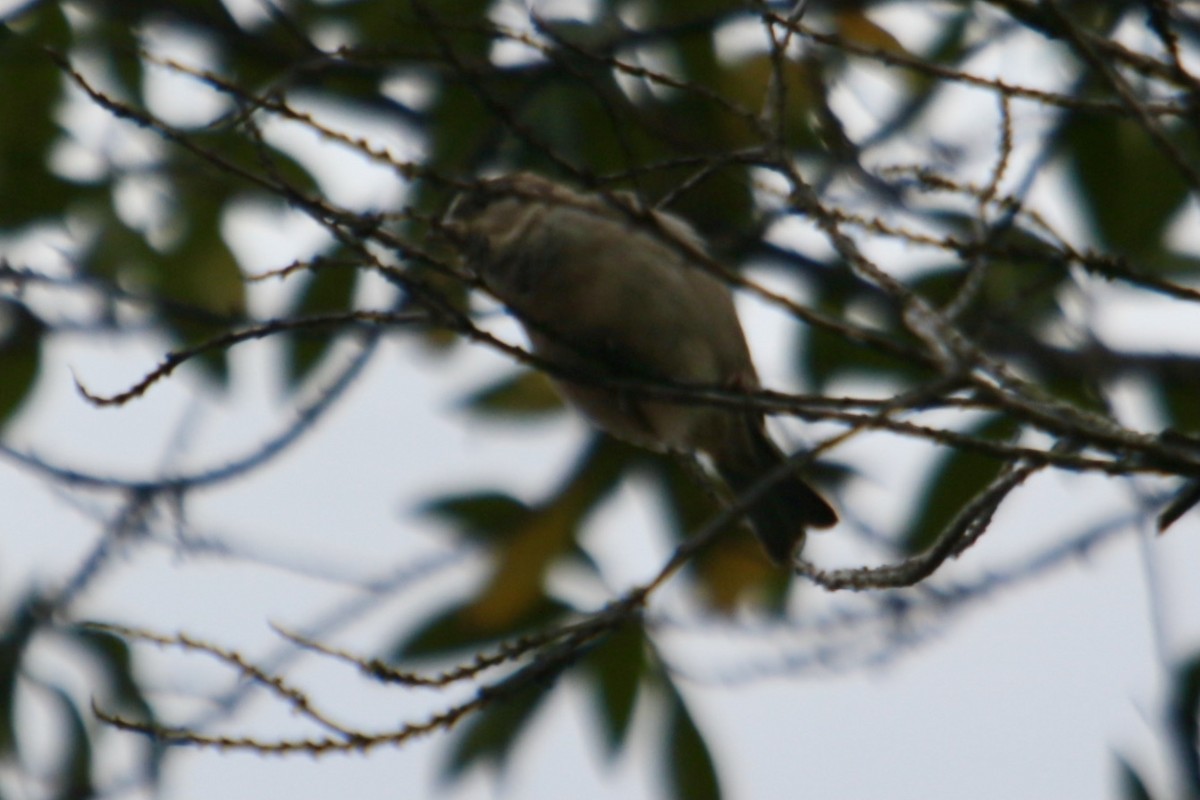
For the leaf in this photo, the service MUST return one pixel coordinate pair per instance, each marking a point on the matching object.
(328, 290)
(525, 542)
(75, 780)
(491, 734)
(857, 28)
(1184, 719)
(115, 661)
(20, 355)
(617, 667)
(748, 83)
(480, 515)
(1128, 186)
(1178, 400)
(691, 774)
(1132, 786)
(14, 638)
(731, 569)
(455, 631)
(826, 355)
(202, 275)
(459, 25)
(31, 87)
(960, 476)
(520, 563)
(528, 393)
(459, 129)
(522, 557)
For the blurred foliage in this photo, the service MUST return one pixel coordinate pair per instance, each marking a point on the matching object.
(1182, 728)
(677, 121)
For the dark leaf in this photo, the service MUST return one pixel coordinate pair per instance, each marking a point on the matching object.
(75, 780)
(1180, 401)
(524, 545)
(489, 736)
(528, 393)
(1184, 716)
(1132, 787)
(617, 665)
(826, 355)
(328, 290)
(14, 637)
(521, 559)
(459, 630)
(482, 516)
(20, 354)
(690, 770)
(961, 475)
(1130, 188)
(733, 568)
(201, 273)
(31, 89)
(115, 661)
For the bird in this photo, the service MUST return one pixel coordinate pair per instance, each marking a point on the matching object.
(608, 289)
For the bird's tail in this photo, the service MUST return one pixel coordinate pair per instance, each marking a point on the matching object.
(786, 508)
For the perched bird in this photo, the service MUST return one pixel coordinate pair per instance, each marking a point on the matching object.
(606, 289)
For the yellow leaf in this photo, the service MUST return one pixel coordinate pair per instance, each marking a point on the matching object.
(521, 561)
(857, 28)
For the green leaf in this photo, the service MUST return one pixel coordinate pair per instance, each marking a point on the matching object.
(458, 630)
(617, 666)
(480, 515)
(460, 129)
(115, 661)
(201, 274)
(731, 569)
(75, 780)
(961, 475)
(528, 393)
(489, 736)
(31, 87)
(826, 355)
(1132, 786)
(20, 355)
(1126, 183)
(1178, 400)
(1184, 719)
(328, 290)
(14, 638)
(459, 25)
(691, 773)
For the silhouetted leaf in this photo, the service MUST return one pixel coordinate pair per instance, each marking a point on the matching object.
(1184, 716)
(75, 778)
(20, 354)
(483, 515)
(458, 630)
(826, 355)
(489, 736)
(960, 475)
(1132, 787)
(617, 666)
(328, 290)
(527, 393)
(115, 662)
(731, 569)
(1128, 185)
(14, 637)
(1178, 400)
(31, 89)
(690, 769)
(200, 271)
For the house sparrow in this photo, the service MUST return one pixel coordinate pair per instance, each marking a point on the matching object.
(604, 293)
